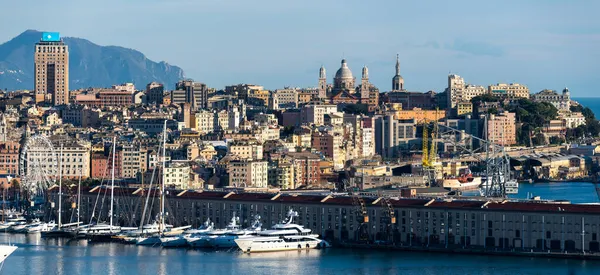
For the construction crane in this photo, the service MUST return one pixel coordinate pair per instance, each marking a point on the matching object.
(430, 152)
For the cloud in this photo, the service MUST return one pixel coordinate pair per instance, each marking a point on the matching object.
(475, 48)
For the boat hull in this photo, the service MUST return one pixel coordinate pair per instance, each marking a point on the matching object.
(250, 246)
(455, 184)
(5, 251)
(57, 234)
(173, 242)
(148, 241)
(199, 242)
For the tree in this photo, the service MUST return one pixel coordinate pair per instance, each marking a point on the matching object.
(556, 140)
(483, 98)
(593, 127)
(356, 109)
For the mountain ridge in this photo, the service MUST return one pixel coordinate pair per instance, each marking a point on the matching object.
(90, 65)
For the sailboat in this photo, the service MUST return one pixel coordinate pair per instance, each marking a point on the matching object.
(154, 239)
(103, 231)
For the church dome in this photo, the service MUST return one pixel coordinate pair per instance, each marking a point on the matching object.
(344, 72)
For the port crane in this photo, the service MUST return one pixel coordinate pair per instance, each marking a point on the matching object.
(497, 162)
(493, 155)
(430, 151)
(362, 217)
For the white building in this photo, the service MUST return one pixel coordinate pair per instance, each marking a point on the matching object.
(177, 174)
(246, 150)
(562, 102)
(125, 87)
(234, 119)
(204, 122)
(72, 157)
(265, 133)
(315, 113)
(283, 99)
(459, 91)
(243, 173)
(573, 120)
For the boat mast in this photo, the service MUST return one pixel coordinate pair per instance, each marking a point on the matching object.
(60, 188)
(162, 191)
(79, 196)
(112, 183)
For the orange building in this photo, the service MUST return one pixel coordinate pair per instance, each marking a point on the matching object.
(9, 158)
(102, 166)
(420, 115)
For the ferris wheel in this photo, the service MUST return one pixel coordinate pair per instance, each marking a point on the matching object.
(38, 164)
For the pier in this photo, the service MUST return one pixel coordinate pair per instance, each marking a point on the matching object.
(495, 226)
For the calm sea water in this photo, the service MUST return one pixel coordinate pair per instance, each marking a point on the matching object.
(40, 256)
(576, 192)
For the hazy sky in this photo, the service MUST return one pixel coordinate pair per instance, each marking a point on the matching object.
(275, 43)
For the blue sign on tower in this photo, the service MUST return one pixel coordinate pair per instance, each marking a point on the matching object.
(51, 37)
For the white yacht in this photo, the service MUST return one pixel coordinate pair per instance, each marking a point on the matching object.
(12, 222)
(5, 251)
(148, 240)
(282, 236)
(227, 240)
(40, 227)
(181, 239)
(204, 240)
(207, 226)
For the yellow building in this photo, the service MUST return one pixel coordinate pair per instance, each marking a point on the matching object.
(259, 97)
(420, 115)
(512, 90)
(304, 98)
(464, 108)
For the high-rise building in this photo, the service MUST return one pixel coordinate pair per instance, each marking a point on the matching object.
(501, 129)
(52, 69)
(188, 91)
(458, 90)
(392, 136)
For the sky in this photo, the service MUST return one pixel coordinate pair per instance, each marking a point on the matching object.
(540, 43)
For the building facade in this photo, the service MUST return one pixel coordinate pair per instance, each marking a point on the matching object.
(562, 102)
(245, 173)
(510, 91)
(155, 92)
(502, 129)
(394, 136)
(51, 69)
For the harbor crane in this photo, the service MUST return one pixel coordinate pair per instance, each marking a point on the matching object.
(497, 178)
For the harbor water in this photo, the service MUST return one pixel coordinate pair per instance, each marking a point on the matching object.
(575, 192)
(62, 256)
(41, 256)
